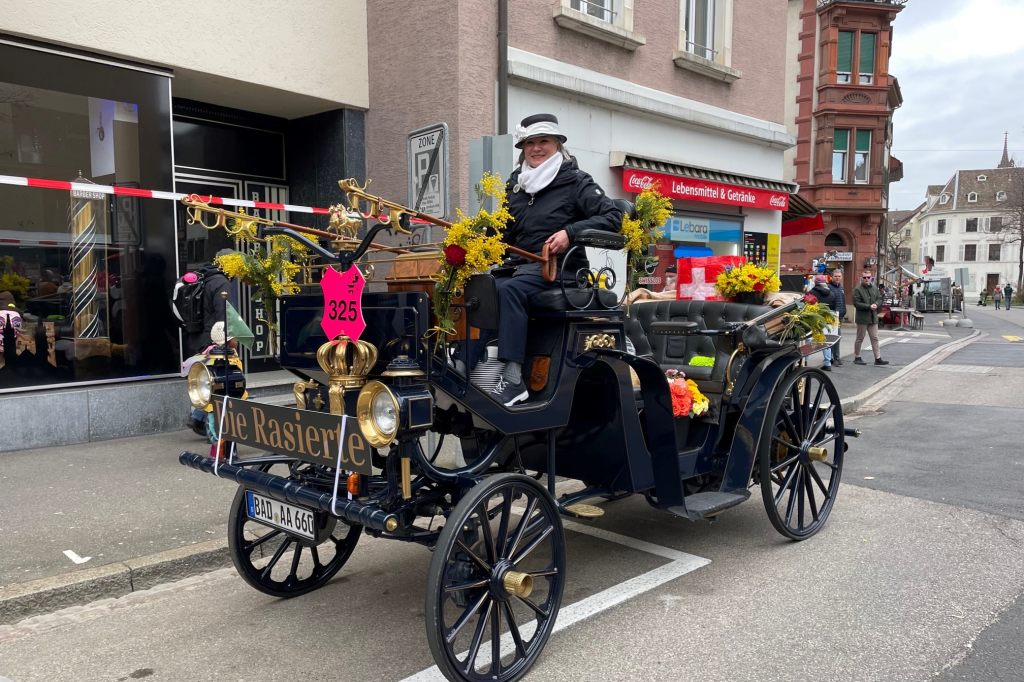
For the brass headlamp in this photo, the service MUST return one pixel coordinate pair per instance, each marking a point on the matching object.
(384, 412)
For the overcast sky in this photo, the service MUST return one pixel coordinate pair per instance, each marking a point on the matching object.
(960, 64)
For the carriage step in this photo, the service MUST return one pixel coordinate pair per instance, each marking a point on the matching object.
(703, 505)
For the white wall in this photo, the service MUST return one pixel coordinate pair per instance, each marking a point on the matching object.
(276, 57)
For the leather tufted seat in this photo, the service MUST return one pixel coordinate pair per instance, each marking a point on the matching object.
(674, 352)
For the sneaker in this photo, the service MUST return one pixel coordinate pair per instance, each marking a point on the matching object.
(880, 361)
(508, 394)
(826, 368)
(837, 362)
(858, 361)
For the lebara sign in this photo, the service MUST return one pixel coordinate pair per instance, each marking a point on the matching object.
(677, 187)
(688, 229)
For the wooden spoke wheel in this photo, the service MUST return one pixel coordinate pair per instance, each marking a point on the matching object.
(800, 459)
(284, 565)
(495, 581)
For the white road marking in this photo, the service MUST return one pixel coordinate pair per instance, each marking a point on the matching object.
(75, 558)
(680, 563)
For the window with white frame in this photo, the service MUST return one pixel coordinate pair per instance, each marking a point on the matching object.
(940, 253)
(995, 224)
(840, 147)
(906, 232)
(856, 48)
(862, 157)
(1000, 195)
(943, 198)
(994, 251)
(970, 252)
(941, 226)
(700, 28)
(600, 9)
(972, 225)
(982, 178)
(972, 197)
(705, 30)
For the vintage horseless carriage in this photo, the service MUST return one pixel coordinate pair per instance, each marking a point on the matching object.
(360, 452)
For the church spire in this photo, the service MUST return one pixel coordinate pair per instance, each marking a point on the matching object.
(1006, 161)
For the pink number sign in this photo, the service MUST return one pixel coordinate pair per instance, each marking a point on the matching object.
(343, 308)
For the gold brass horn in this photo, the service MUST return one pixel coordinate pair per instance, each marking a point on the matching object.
(376, 205)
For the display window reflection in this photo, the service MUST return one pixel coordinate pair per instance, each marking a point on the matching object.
(73, 273)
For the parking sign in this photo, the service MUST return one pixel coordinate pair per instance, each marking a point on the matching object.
(428, 170)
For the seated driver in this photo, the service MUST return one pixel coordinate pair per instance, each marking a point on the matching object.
(551, 200)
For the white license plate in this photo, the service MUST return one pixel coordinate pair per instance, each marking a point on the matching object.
(295, 520)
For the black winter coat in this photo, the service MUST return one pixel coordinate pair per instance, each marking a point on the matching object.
(838, 300)
(573, 202)
(824, 294)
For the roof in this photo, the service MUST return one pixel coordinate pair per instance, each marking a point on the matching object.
(897, 218)
(996, 180)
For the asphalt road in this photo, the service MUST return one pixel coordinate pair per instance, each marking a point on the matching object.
(917, 576)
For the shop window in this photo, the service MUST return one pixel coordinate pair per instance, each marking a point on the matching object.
(972, 225)
(940, 253)
(970, 252)
(89, 273)
(994, 251)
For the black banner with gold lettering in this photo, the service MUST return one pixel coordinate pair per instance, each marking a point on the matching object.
(310, 436)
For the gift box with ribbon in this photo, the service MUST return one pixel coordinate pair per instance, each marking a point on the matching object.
(696, 276)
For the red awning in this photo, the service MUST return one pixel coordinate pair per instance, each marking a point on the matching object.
(802, 225)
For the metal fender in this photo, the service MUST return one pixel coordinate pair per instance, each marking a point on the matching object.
(750, 425)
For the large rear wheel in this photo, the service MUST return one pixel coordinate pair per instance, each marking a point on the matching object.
(800, 459)
(495, 581)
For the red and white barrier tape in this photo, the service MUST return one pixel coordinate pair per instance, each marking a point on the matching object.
(152, 194)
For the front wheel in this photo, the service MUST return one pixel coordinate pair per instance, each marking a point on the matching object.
(800, 459)
(280, 564)
(495, 581)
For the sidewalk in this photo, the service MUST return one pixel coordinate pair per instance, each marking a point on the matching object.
(102, 519)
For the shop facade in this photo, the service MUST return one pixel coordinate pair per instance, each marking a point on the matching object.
(89, 272)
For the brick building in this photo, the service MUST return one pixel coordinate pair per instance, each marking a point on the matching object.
(841, 109)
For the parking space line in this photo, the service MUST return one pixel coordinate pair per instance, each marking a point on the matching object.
(680, 563)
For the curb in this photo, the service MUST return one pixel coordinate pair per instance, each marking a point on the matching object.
(854, 403)
(22, 600)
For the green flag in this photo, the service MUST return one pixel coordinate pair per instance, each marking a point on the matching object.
(238, 329)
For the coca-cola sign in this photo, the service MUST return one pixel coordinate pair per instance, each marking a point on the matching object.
(678, 187)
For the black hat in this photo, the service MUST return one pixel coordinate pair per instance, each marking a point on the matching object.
(538, 125)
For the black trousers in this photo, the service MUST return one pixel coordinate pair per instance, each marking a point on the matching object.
(514, 308)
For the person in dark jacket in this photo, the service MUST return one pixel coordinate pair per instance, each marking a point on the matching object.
(867, 301)
(551, 200)
(839, 306)
(823, 292)
(1008, 295)
(214, 283)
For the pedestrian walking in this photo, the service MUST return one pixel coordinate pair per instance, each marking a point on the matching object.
(839, 306)
(997, 296)
(866, 300)
(823, 292)
(1008, 295)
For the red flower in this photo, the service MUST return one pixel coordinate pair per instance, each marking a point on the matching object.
(759, 286)
(455, 255)
(810, 298)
